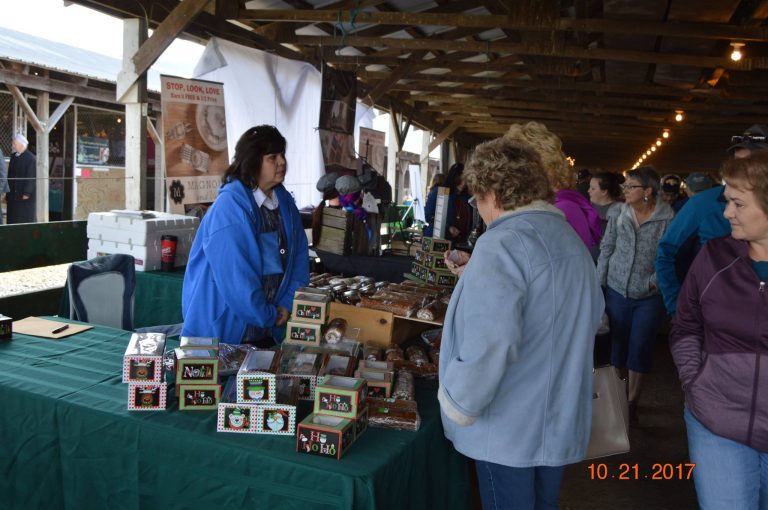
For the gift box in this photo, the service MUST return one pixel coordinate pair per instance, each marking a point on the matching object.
(419, 257)
(340, 396)
(304, 367)
(143, 358)
(366, 364)
(435, 260)
(6, 327)
(337, 364)
(256, 381)
(429, 244)
(237, 418)
(325, 436)
(147, 397)
(196, 367)
(302, 333)
(199, 397)
(441, 278)
(199, 343)
(276, 419)
(379, 382)
(310, 308)
(361, 422)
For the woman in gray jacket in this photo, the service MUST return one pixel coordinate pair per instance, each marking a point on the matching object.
(627, 272)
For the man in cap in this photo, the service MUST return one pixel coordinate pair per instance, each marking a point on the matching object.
(696, 183)
(670, 191)
(21, 176)
(701, 218)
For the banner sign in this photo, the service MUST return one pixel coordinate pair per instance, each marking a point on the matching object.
(195, 142)
(337, 120)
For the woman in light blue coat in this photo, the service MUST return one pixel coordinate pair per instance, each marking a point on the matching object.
(516, 358)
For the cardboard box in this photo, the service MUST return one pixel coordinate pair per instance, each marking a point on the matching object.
(147, 397)
(420, 256)
(6, 327)
(435, 260)
(325, 436)
(256, 380)
(379, 382)
(310, 308)
(196, 367)
(143, 358)
(198, 343)
(340, 396)
(337, 364)
(302, 333)
(146, 258)
(270, 419)
(199, 397)
(361, 422)
(431, 244)
(386, 366)
(304, 367)
(276, 419)
(441, 278)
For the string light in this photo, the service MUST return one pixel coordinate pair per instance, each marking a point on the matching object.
(737, 54)
(678, 115)
(658, 142)
(665, 134)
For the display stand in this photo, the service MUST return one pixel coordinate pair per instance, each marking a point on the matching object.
(377, 327)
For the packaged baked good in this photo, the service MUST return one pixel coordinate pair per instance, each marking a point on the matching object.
(336, 329)
(404, 387)
(416, 355)
(393, 353)
(372, 353)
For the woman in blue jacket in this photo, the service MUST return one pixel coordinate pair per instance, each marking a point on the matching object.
(250, 253)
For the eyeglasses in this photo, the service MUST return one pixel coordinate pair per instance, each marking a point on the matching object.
(472, 202)
(626, 187)
(749, 138)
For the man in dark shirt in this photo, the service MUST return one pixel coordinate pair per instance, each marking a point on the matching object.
(21, 176)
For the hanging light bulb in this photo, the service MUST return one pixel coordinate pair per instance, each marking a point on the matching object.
(737, 54)
(658, 142)
(648, 152)
(665, 134)
(678, 115)
(653, 148)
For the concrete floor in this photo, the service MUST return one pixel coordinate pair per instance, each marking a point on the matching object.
(659, 439)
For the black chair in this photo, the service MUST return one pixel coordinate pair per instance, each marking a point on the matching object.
(101, 290)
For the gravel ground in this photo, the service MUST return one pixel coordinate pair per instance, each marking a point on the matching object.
(30, 280)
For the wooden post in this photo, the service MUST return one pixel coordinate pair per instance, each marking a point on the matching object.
(135, 100)
(392, 151)
(42, 183)
(424, 163)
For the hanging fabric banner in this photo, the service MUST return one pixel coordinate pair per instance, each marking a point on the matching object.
(195, 142)
(337, 120)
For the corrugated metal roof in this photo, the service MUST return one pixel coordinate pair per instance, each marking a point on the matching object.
(29, 49)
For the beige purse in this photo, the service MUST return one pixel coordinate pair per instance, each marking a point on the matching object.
(610, 414)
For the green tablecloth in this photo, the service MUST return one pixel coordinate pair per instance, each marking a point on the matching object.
(67, 441)
(157, 300)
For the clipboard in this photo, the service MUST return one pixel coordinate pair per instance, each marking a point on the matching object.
(35, 326)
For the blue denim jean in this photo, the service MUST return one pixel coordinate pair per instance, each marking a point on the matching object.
(509, 488)
(728, 475)
(634, 324)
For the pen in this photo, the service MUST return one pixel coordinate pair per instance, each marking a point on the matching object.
(59, 330)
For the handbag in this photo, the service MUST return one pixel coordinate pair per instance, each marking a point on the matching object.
(610, 414)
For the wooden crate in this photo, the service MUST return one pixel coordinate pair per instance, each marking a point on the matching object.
(343, 234)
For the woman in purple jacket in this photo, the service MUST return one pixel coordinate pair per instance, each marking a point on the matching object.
(719, 342)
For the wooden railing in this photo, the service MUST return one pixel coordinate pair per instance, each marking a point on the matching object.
(31, 245)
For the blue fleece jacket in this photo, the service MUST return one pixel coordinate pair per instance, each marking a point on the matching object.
(517, 343)
(702, 215)
(222, 291)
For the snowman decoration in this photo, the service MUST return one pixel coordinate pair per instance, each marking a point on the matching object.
(237, 419)
(256, 390)
(275, 421)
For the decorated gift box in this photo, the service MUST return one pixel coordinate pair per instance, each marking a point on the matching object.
(435, 261)
(338, 364)
(6, 327)
(310, 308)
(196, 366)
(304, 367)
(143, 358)
(272, 419)
(366, 364)
(379, 382)
(302, 333)
(256, 381)
(326, 436)
(340, 396)
(361, 422)
(430, 244)
(238, 418)
(443, 278)
(198, 343)
(147, 397)
(199, 397)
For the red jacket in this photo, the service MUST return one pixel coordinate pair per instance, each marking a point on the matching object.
(719, 342)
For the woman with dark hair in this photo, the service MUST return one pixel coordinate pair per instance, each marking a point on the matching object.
(605, 193)
(719, 341)
(626, 270)
(250, 253)
(459, 220)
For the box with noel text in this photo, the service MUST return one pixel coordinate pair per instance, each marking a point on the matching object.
(340, 396)
(196, 366)
(325, 436)
(143, 358)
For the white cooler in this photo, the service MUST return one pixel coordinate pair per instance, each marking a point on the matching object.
(139, 235)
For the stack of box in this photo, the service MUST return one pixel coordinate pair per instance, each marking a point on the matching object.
(340, 417)
(263, 404)
(429, 263)
(309, 314)
(138, 233)
(143, 371)
(197, 374)
(379, 375)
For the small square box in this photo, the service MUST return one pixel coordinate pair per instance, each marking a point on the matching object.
(337, 364)
(441, 278)
(303, 333)
(199, 397)
(303, 366)
(379, 382)
(340, 396)
(237, 418)
(310, 308)
(435, 260)
(419, 257)
(256, 381)
(276, 419)
(361, 422)
(143, 358)
(147, 397)
(325, 436)
(196, 367)
(6, 327)
(366, 364)
(435, 245)
(198, 343)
